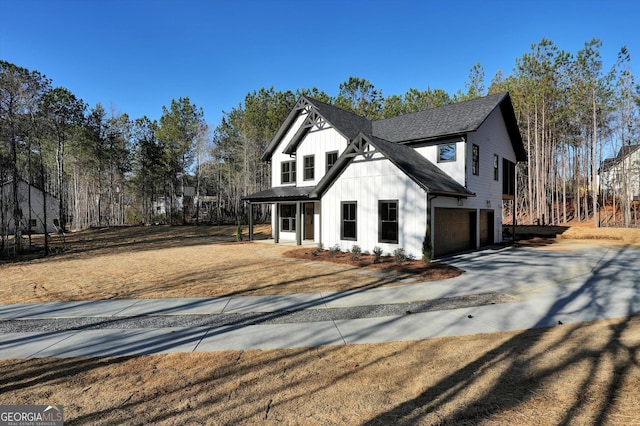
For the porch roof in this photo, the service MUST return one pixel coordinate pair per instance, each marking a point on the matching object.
(281, 193)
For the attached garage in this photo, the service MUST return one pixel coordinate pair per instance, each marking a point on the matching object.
(454, 231)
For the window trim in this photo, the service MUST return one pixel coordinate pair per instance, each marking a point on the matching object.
(455, 152)
(354, 220)
(311, 168)
(496, 167)
(327, 165)
(291, 173)
(475, 160)
(381, 221)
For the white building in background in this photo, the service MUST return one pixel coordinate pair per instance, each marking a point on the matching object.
(32, 220)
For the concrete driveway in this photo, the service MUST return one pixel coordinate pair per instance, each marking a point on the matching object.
(564, 283)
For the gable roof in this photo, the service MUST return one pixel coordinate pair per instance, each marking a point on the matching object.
(422, 171)
(435, 123)
(625, 151)
(346, 123)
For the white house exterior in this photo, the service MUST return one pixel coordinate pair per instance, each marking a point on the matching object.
(37, 223)
(620, 175)
(340, 179)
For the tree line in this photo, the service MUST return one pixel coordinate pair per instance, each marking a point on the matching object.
(106, 168)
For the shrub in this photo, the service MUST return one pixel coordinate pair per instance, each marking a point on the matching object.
(317, 250)
(427, 250)
(400, 255)
(333, 251)
(355, 252)
(377, 254)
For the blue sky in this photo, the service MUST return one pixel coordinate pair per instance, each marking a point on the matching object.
(136, 56)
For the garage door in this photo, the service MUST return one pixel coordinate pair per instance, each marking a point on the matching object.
(454, 230)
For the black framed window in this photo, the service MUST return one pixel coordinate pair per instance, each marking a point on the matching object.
(309, 167)
(288, 171)
(288, 217)
(332, 157)
(475, 159)
(496, 161)
(508, 178)
(446, 153)
(348, 230)
(388, 221)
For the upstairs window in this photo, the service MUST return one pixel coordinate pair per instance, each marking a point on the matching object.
(349, 224)
(446, 153)
(388, 221)
(309, 167)
(475, 159)
(332, 157)
(496, 160)
(288, 169)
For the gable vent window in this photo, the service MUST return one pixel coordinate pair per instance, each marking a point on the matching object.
(309, 167)
(332, 157)
(288, 169)
(475, 159)
(446, 153)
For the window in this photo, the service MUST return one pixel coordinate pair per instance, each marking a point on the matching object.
(475, 159)
(332, 157)
(348, 220)
(309, 167)
(446, 153)
(508, 178)
(288, 172)
(288, 218)
(33, 223)
(496, 160)
(388, 218)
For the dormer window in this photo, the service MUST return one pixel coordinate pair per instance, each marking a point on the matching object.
(288, 170)
(446, 153)
(309, 167)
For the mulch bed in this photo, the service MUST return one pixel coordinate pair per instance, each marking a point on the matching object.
(414, 267)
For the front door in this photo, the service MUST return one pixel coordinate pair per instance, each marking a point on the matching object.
(308, 221)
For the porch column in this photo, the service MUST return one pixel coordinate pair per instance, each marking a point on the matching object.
(276, 222)
(298, 223)
(250, 221)
(478, 224)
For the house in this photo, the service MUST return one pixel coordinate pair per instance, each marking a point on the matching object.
(32, 221)
(340, 179)
(620, 176)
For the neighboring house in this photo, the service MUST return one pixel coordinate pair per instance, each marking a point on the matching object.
(37, 224)
(338, 178)
(620, 176)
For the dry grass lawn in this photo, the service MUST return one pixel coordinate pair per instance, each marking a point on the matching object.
(569, 374)
(165, 262)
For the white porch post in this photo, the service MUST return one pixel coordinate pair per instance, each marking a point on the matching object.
(276, 222)
(298, 223)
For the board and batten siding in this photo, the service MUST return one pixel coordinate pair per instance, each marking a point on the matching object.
(367, 182)
(455, 169)
(318, 143)
(278, 156)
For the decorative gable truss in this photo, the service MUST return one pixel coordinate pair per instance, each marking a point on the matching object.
(313, 123)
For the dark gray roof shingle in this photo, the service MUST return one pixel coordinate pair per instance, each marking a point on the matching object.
(281, 193)
(454, 119)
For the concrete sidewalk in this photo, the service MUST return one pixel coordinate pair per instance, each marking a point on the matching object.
(568, 285)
